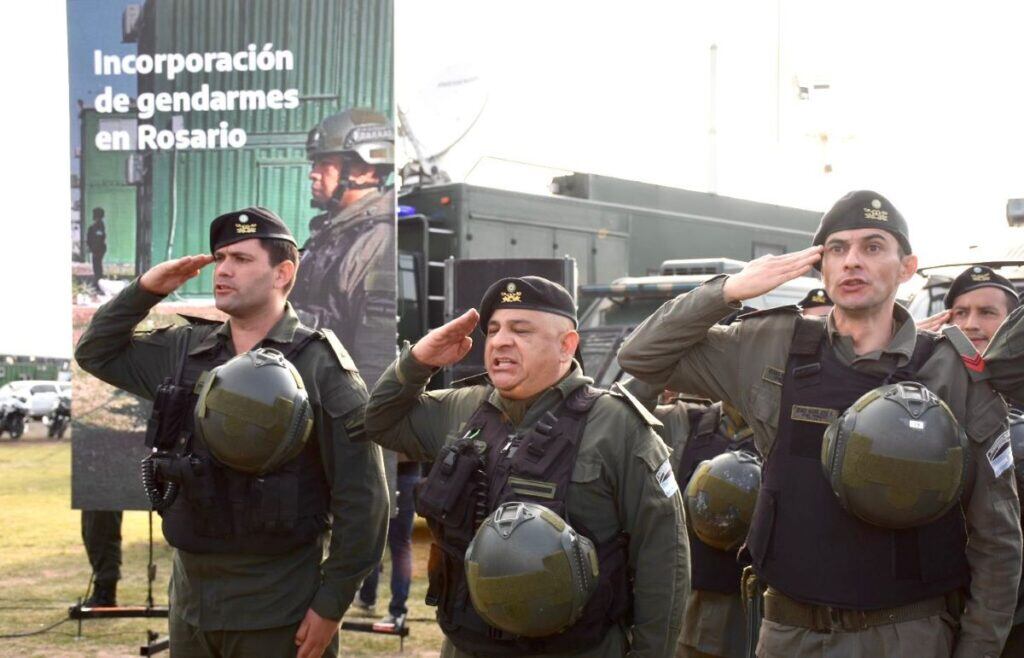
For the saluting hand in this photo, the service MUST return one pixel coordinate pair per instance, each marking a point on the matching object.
(165, 278)
(766, 273)
(448, 343)
(935, 322)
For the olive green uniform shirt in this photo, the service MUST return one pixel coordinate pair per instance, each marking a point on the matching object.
(613, 488)
(681, 348)
(246, 592)
(713, 622)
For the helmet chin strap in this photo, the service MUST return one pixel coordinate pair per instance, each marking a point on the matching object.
(333, 204)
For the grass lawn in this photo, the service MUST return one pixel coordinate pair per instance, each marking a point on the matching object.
(44, 570)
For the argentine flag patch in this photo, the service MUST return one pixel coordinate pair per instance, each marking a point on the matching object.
(667, 479)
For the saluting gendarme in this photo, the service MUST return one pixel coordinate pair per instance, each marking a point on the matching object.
(838, 586)
(291, 472)
(534, 430)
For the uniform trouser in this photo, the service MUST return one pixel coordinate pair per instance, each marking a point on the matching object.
(400, 547)
(615, 643)
(714, 624)
(931, 636)
(187, 641)
(97, 268)
(101, 535)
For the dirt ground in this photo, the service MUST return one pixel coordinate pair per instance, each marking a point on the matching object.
(44, 570)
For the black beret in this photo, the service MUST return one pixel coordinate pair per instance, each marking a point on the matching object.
(251, 222)
(863, 209)
(530, 292)
(814, 298)
(979, 276)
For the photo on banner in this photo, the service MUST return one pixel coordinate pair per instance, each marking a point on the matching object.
(181, 111)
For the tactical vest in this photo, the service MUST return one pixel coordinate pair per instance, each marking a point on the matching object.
(220, 510)
(491, 465)
(801, 541)
(711, 569)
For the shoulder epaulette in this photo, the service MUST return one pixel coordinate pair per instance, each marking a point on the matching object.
(636, 405)
(197, 320)
(969, 354)
(473, 380)
(340, 353)
(789, 308)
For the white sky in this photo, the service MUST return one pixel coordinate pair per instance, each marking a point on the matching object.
(924, 108)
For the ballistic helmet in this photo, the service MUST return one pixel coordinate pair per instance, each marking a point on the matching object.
(720, 498)
(528, 572)
(253, 412)
(360, 132)
(897, 458)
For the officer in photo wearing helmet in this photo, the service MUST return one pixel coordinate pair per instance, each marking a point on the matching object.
(840, 585)
(262, 467)
(604, 570)
(346, 281)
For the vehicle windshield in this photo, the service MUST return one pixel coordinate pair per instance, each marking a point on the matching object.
(620, 313)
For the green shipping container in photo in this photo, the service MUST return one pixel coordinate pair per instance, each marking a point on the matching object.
(343, 58)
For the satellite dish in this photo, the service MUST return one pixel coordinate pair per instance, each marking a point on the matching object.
(439, 115)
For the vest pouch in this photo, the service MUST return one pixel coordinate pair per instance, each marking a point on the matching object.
(541, 449)
(442, 497)
(938, 544)
(204, 486)
(435, 575)
(276, 509)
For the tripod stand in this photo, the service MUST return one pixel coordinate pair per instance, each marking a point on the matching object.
(154, 643)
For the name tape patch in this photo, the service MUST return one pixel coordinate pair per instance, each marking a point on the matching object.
(820, 415)
(667, 479)
(1000, 456)
(773, 375)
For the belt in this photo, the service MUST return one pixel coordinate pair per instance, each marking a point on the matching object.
(781, 609)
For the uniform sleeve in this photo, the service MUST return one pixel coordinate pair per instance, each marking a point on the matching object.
(651, 509)
(346, 291)
(1004, 358)
(359, 496)
(111, 350)
(993, 526)
(680, 347)
(402, 417)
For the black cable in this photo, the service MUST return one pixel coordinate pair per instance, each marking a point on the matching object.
(34, 607)
(31, 633)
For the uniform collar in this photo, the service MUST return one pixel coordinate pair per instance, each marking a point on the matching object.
(549, 398)
(364, 207)
(901, 345)
(282, 332)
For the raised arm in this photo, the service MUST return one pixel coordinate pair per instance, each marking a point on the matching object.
(401, 415)
(112, 351)
(680, 347)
